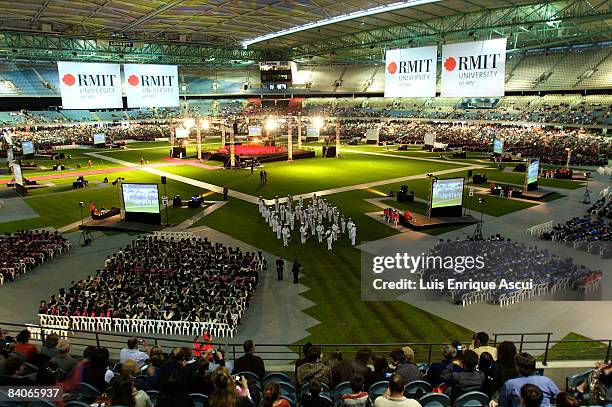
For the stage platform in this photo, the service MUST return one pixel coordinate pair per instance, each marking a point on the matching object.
(116, 224)
(537, 195)
(265, 158)
(419, 222)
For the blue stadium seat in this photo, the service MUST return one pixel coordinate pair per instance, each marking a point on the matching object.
(153, 395)
(340, 390)
(416, 389)
(277, 377)
(435, 400)
(251, 377)
(199, 399)
(377, 389)
(472, 399)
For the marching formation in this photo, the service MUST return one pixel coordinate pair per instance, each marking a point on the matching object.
(317, 218)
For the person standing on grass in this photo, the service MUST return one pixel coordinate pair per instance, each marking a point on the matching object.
(280, 265)
(295, 269)
(225, 193)
(261, 178)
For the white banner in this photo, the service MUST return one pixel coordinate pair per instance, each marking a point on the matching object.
(372, 134)
(90, 85)
(151, 85)
(411, 72)
(429, 139)
(475, 69)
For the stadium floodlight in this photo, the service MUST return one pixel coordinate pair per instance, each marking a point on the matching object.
(318, 122)
(188, 123)
(343, 17)
(271, 123)
(205, 124)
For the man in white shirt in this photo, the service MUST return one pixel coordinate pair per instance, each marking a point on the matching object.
(395, 396)
(132, 352)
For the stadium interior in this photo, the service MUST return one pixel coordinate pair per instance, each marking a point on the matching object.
(300, 203)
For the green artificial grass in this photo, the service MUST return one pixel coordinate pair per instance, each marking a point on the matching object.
(58, 206)
(309, 175)
(518, 178)
(575, 346)
(334, 281)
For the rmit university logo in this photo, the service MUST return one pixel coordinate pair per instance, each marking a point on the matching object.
(91, 83)
(153, 83)
(473, 66)
(418, 69)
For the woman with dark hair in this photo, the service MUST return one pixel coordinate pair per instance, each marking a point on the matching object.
(226, 391)
(313, 398)
(486, 366)
(505, 367)
(94, 372)
(381, 368)
(125, 394)
(23, 347)
(173, 391)
(272, 397)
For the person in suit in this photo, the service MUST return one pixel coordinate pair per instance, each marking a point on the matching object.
(296, 270)
(280, 265)
(250, 362)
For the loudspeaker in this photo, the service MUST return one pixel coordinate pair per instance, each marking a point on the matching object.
(410, 197)
(401, 196)
(329, 152)
(404, 189)
(469, 173)
(163, 180)
(176, 201)
(235, 128)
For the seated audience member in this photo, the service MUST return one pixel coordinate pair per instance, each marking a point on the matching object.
(272, 398)
(47, 375)
(94, 372)
(597, 384)
(173, 391)
(462, 375)
(314, 368)
(217, 360)
(485, 365)
(23, 347)
(346, 369)
(180, 359)
(132, 352)
(63, 359)
(435, 370)
(403, 362)
(50, 348)
(250, 362)
(313, 398)
(395, 394)
(505, 366)
(125, 394)
(531, 395)
(302, 360)
(228, 393)
(480, 344)
(358, 397)
(202, 377)
(14, 367)
(381, 371)
(509, 395)
(565, 399)
(334, 358)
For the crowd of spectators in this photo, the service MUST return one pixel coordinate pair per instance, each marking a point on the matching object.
(591, 232)
(165, 278)
(24, 250)
(145, 376)
(503, 259)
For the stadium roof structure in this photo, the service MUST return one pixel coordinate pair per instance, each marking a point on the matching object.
(193, 32)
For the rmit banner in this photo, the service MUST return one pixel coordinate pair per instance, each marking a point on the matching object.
(151, 85)
(474, 68)
(89, 85)
(411, 72)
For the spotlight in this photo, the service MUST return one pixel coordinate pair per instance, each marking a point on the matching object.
(481, 200)
(81, 203)
(318, 122)
(271, 123)
(188, 123)
(205, 124)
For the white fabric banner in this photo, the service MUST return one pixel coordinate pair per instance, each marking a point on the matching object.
(475, 69)
(411, 72)
(90, 85)
(372, 134)
(151, 85)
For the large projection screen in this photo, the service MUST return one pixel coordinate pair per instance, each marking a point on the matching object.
(27, 147)
(532, 175)
(17, 174)
(498, 146)
(99, 138)
(447, 192)
(255, 131)
(90, 85)
(140, 198)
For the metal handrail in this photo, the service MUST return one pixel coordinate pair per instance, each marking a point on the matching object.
(431, 350)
